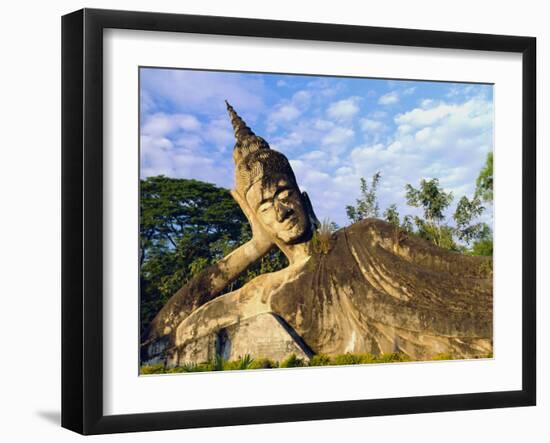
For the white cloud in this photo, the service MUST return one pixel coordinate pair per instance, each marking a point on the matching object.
(329, 92)
(160, 157)
(291, 140)
(427, 103)
(457, 131)
(163, 124)
(189, 141)
(404, 129)
(314, 177)
(338, 136)
(317, 135)
(288, 111)
(371, 125)
(378, 114)
(204, 91)
(452, 148)
(425, 117)
(423, 134)
(285, 113)
(374, 154)
(344, 170)
(301, 98)
(146, 102)
(323, 125)
(174, 145)
(314, 155)
(149, 143)
(389, 99)
(155, 155)
(454, 176)
(396, 146)
(343, 109)
(324, 87)
(464, 91)
(219, 132)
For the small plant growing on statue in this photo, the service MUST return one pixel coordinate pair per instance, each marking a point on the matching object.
(322, 237)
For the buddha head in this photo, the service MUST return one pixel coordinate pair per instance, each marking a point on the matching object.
(265, 181)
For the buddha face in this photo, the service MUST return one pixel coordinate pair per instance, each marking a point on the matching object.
(279, 208)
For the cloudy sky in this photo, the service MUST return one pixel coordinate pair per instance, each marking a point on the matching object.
(333, 130)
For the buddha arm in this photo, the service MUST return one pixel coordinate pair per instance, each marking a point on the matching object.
(204, 287)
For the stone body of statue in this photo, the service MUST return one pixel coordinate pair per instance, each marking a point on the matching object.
(372, 288)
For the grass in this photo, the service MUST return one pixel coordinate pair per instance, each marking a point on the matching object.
(292, 361)
(321, 240)
(443, 356)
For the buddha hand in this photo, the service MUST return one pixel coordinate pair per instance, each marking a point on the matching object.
(261, 239)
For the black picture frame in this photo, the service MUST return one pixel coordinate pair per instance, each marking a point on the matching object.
(82, 218)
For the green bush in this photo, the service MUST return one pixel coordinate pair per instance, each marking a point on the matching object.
(191, 367)
(392, 357)
(184, 368)
(320, 360)
(347, 359)
(238, 365)
(367, 358)
(443, 356)
(152, 369)
(263, 363)
(245, 362)
(292, 362)
(489, 355)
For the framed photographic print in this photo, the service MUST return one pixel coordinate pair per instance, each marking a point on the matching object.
(270, 221)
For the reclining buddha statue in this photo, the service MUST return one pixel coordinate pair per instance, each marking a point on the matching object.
(373, 289)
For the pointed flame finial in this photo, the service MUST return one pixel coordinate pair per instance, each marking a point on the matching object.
(239, 126)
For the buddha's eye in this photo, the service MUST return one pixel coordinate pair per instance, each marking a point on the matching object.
(265, 208)
(283, 195)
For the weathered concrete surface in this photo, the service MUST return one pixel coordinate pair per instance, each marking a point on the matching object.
(263, 335)
(376, 290)
(379, 291)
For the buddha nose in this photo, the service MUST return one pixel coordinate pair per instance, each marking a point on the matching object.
(282, 210)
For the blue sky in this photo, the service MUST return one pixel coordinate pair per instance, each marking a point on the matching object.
(333, 130)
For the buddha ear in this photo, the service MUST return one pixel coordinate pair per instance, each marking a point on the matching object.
(315, 224)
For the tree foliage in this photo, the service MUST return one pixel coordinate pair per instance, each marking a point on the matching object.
(484, 182)
(391, 215)
(467, 230)
(467, 235)
(465, 214)
(367, 204)
(433, 200)
(484, 243)
(438, 234)
(407, 224)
